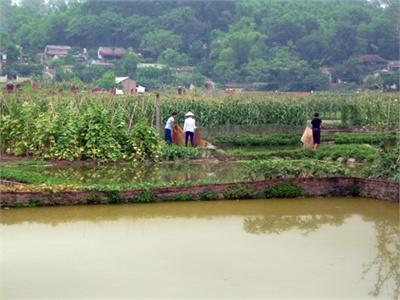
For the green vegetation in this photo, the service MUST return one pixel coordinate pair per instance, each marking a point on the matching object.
(240, 193)
(367, 138)
(387, 165)
(355, 190)
(332, 152)
(114, 197)
(270, 169)
(108, 128)
(35, 203)
(174, 152)
(285, 190)
(279, 45)
(145, 197)
(294, 139)
(209, 196)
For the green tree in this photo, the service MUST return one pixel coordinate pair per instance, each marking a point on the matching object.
(127, 66)
(107, 81)
(154, 43)
(173, 58)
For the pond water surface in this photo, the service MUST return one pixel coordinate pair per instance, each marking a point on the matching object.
(335, 247)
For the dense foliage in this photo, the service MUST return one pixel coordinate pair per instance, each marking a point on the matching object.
(284, 190)
(111, 128)
(294, 139)
(67, 130)
(281, 44)
(387, 165)
(326, 152)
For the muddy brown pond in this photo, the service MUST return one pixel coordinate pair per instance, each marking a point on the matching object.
(302, 248)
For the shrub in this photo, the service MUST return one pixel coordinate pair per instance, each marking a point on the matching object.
(387, 166)
(174, 152)
(93, 199)
(145, 197)
(35, 203)
(285, 190)
(184, 197)
(240, 193)
(114, 197)
(354, 190)
(209, 196)
(144, 143)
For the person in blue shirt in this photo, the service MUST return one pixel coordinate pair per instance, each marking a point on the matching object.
(168, 128)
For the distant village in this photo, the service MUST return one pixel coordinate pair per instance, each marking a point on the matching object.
(106, 57)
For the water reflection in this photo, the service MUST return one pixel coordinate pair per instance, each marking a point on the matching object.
(322, 232)
(279, 224)
(139, 173)
(386, 264)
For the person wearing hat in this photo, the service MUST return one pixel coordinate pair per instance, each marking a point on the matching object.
(168, 128)
(189, 127)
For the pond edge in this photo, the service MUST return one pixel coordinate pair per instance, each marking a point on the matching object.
(311, 187)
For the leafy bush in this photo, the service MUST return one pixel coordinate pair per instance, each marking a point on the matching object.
(114, 197)
(184, 197)
(355, 190)
(145, 143)
(240, 193)
(387, 166)
(93, 199)
(145, 197)
(365, 138)
(285, 190)
(35, 203)
(209, 196)
(358, 152)
(174, 152)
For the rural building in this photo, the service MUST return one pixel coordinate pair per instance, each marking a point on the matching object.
(56, 51)
(209, 85)
(373, 61)
(140, 89)
(3, 60)
(393, 65)
(109, 53)
(3, 79)
(157, 66)
(103, 64)
(128, 85)
(185, 69)
(327, 71)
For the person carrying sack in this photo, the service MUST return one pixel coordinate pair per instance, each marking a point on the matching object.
(189, 128)
(316, 130)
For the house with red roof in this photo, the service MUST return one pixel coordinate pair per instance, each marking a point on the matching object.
(56, 51)
(109, 53)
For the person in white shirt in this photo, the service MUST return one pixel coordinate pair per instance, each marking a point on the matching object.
(189, 128)
(168, 128)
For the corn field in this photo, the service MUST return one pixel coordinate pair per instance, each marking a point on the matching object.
(379, 110)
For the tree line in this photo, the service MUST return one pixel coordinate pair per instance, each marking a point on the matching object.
(282, 44)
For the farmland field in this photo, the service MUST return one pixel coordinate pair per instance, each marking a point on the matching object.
(74, 126)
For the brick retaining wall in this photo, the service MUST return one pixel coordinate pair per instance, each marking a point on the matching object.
(313, 187)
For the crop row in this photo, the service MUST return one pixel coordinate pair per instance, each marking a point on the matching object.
(376, 110)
